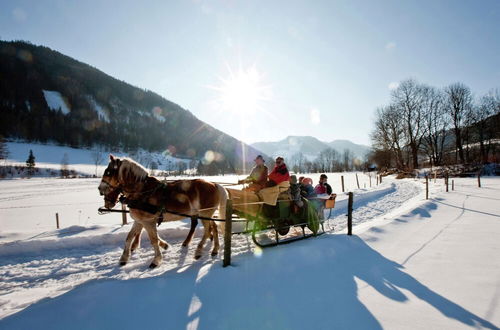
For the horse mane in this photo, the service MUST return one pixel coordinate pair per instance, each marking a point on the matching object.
(131, 170)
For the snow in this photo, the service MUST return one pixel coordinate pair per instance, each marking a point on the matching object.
(49, 156)
(101, 111)
(157, 114)
(55, 101)
(412, 264)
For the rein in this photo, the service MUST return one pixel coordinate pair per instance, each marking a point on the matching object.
(103, 210)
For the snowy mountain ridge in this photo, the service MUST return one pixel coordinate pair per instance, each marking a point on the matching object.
(309, 146)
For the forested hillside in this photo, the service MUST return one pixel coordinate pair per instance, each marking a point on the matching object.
(47, 96)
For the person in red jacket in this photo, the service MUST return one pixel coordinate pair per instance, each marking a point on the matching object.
(279, 173)
(323, 187)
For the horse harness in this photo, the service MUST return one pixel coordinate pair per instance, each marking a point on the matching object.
(142, 204)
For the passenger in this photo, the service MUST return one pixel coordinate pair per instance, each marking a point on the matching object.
(295, 192)
(323, 187)
(258, 176)
(307, 189)
(279, 174)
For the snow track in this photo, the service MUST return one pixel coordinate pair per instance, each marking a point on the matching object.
(52, 263)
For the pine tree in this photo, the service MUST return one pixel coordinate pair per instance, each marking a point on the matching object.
(4, 152)
(30, 163)
(65, 166)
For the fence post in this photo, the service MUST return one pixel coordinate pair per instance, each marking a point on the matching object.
(370, 176)
(479, 178)
(357, 180)
(227, 233)
(426, 187)
(380, 178)
(124, 215)
(452, 185)
(57, 220)
(446, 179)
(342, 179)
(349, 214)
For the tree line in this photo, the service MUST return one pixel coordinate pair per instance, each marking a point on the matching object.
(329, 160)
(427, 126)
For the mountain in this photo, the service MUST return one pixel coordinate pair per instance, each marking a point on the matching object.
(291, 145)
(359, 150)
(47, 96)
(309, 146)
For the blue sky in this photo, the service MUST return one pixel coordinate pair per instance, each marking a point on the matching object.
(315, 68)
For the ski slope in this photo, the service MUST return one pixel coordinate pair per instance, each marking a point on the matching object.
(414, 264)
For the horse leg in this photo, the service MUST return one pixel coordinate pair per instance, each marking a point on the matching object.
(163, 244)
(215, 250)
(206, 234)
(136, 229)
(153, 237)
(194, 223)
(136, 241)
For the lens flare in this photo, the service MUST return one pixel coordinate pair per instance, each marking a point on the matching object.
(243, 91)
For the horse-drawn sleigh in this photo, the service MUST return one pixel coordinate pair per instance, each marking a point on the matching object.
(151, 202)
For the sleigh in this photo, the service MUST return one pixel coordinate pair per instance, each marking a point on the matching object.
(273, 218)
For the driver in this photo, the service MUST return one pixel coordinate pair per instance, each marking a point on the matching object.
(258, 176)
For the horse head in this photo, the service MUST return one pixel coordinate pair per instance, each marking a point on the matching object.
(110, 186)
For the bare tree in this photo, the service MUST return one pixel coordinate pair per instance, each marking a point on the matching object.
(435, 124)
(347, 158)
(458, 105)
(408, 100)
(487, 106)
(388, 134)
(297, 162)
(98, 158)
(331, 159)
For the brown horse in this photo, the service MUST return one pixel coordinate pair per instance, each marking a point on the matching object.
(149, 199)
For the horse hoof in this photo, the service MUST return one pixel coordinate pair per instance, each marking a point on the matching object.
(184, 244)
(213, 254)
(197, 257)
(153, 265)
(165, 247)
(123, 263)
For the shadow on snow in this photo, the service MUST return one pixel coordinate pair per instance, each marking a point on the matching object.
(292, 287)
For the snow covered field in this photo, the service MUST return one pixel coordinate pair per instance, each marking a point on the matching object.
(413, 264)
(83, 161)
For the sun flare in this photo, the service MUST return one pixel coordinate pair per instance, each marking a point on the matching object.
(243, 91)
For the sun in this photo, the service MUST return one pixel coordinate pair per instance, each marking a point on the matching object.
(243, 91)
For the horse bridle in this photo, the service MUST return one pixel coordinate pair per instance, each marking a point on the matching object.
(110, 172)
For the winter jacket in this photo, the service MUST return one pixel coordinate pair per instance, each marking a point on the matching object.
(258, 175)
(307, 191)
(279, 174)
(323, 189)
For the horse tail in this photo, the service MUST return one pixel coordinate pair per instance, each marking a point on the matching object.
(223, 196)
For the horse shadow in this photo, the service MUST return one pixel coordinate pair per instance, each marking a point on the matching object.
(288, 287)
